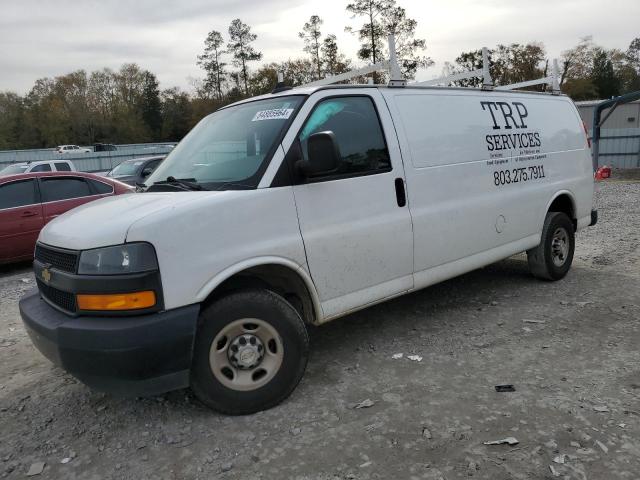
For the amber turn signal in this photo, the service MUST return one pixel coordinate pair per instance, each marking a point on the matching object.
(117, 301)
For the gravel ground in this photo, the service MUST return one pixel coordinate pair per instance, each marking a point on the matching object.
(570, 348)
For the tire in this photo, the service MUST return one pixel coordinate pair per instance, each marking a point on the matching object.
(250, 352)
(551, 260)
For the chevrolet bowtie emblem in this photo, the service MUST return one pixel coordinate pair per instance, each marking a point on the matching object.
(46, 275)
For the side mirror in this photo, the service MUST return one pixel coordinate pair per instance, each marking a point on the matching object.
(146, 172)
(324, 155)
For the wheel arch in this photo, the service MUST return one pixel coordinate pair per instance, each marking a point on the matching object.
(565, 202)
(278, 274)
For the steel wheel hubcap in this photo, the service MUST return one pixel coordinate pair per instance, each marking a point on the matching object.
(559, 247)
(246, 354)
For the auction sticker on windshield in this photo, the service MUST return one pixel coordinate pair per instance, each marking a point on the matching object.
(274, 114)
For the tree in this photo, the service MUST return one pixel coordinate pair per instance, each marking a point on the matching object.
(603, 75)
(384, 18)
(296, 72)
(578, 61)
(466, 62)
(11, 120)
(333, 62)
(517, 63)
(211, 62)
(150, 104)
(633, 54)
(311, 35)
(395, 22)
(176, 114)
(102, 98)
(507, 64)
(370, 34)
(129, 84)
(631, 80)
(580, 89)
(240, 46)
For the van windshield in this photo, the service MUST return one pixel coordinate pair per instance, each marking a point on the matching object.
(231, 147)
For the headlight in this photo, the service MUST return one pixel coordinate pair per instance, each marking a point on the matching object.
(118, 260)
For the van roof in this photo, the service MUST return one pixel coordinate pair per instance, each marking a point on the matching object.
(310, 90)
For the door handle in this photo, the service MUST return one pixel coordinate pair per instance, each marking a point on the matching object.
(28, 214)
(401, 196)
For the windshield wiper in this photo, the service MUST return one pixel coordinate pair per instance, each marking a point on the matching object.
(183, 183)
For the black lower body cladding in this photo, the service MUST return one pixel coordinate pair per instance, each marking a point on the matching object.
(140, 355)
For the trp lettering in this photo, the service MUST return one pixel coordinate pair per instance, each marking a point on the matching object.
(506, 115)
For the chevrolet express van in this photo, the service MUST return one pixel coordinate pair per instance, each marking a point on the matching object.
(294, 209)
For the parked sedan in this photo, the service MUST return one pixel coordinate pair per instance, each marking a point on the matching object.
(135, 170)
(30, 200)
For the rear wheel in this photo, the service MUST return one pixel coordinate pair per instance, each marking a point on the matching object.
(250, 352)
(551, 260)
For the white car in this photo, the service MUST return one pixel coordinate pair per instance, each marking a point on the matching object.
(40, 166)
(294, 209)
(72, 149)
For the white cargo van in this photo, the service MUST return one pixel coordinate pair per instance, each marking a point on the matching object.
(296, 208)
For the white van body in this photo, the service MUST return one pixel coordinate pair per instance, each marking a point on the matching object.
(458, 219)
(479, 172)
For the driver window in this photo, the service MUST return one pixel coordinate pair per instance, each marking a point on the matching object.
(356, 126)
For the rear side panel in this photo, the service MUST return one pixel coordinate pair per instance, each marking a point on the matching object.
(483, 167)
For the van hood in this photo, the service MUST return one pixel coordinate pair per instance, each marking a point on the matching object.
(106, 222)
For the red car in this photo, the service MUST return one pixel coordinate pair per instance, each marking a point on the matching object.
(29, 200)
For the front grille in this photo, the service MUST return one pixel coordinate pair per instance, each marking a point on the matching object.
(64, 300)
(62, 260)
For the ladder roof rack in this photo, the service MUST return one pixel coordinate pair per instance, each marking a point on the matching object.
(396, 79)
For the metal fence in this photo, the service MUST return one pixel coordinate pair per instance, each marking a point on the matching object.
(620, 147)
(88, 162)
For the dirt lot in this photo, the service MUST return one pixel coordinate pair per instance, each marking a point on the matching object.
(570, 349)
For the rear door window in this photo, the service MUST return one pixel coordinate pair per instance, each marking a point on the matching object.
(100, 188)
(63, 167)
(18, 194)
(54, 189)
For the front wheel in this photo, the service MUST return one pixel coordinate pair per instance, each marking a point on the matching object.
(250, 352)
(551, 260)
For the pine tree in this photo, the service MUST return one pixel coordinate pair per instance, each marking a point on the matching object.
(211, 62)
(333, 62)
(370, 34)
(384, 18)
(395, 22)
(603, 75)
(240, 46)
(311, 35)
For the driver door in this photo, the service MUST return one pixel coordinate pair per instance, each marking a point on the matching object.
(355, 222)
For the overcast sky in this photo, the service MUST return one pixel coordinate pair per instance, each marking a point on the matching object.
(40, 38)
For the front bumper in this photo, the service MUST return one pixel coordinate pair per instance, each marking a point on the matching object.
(141, 355)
